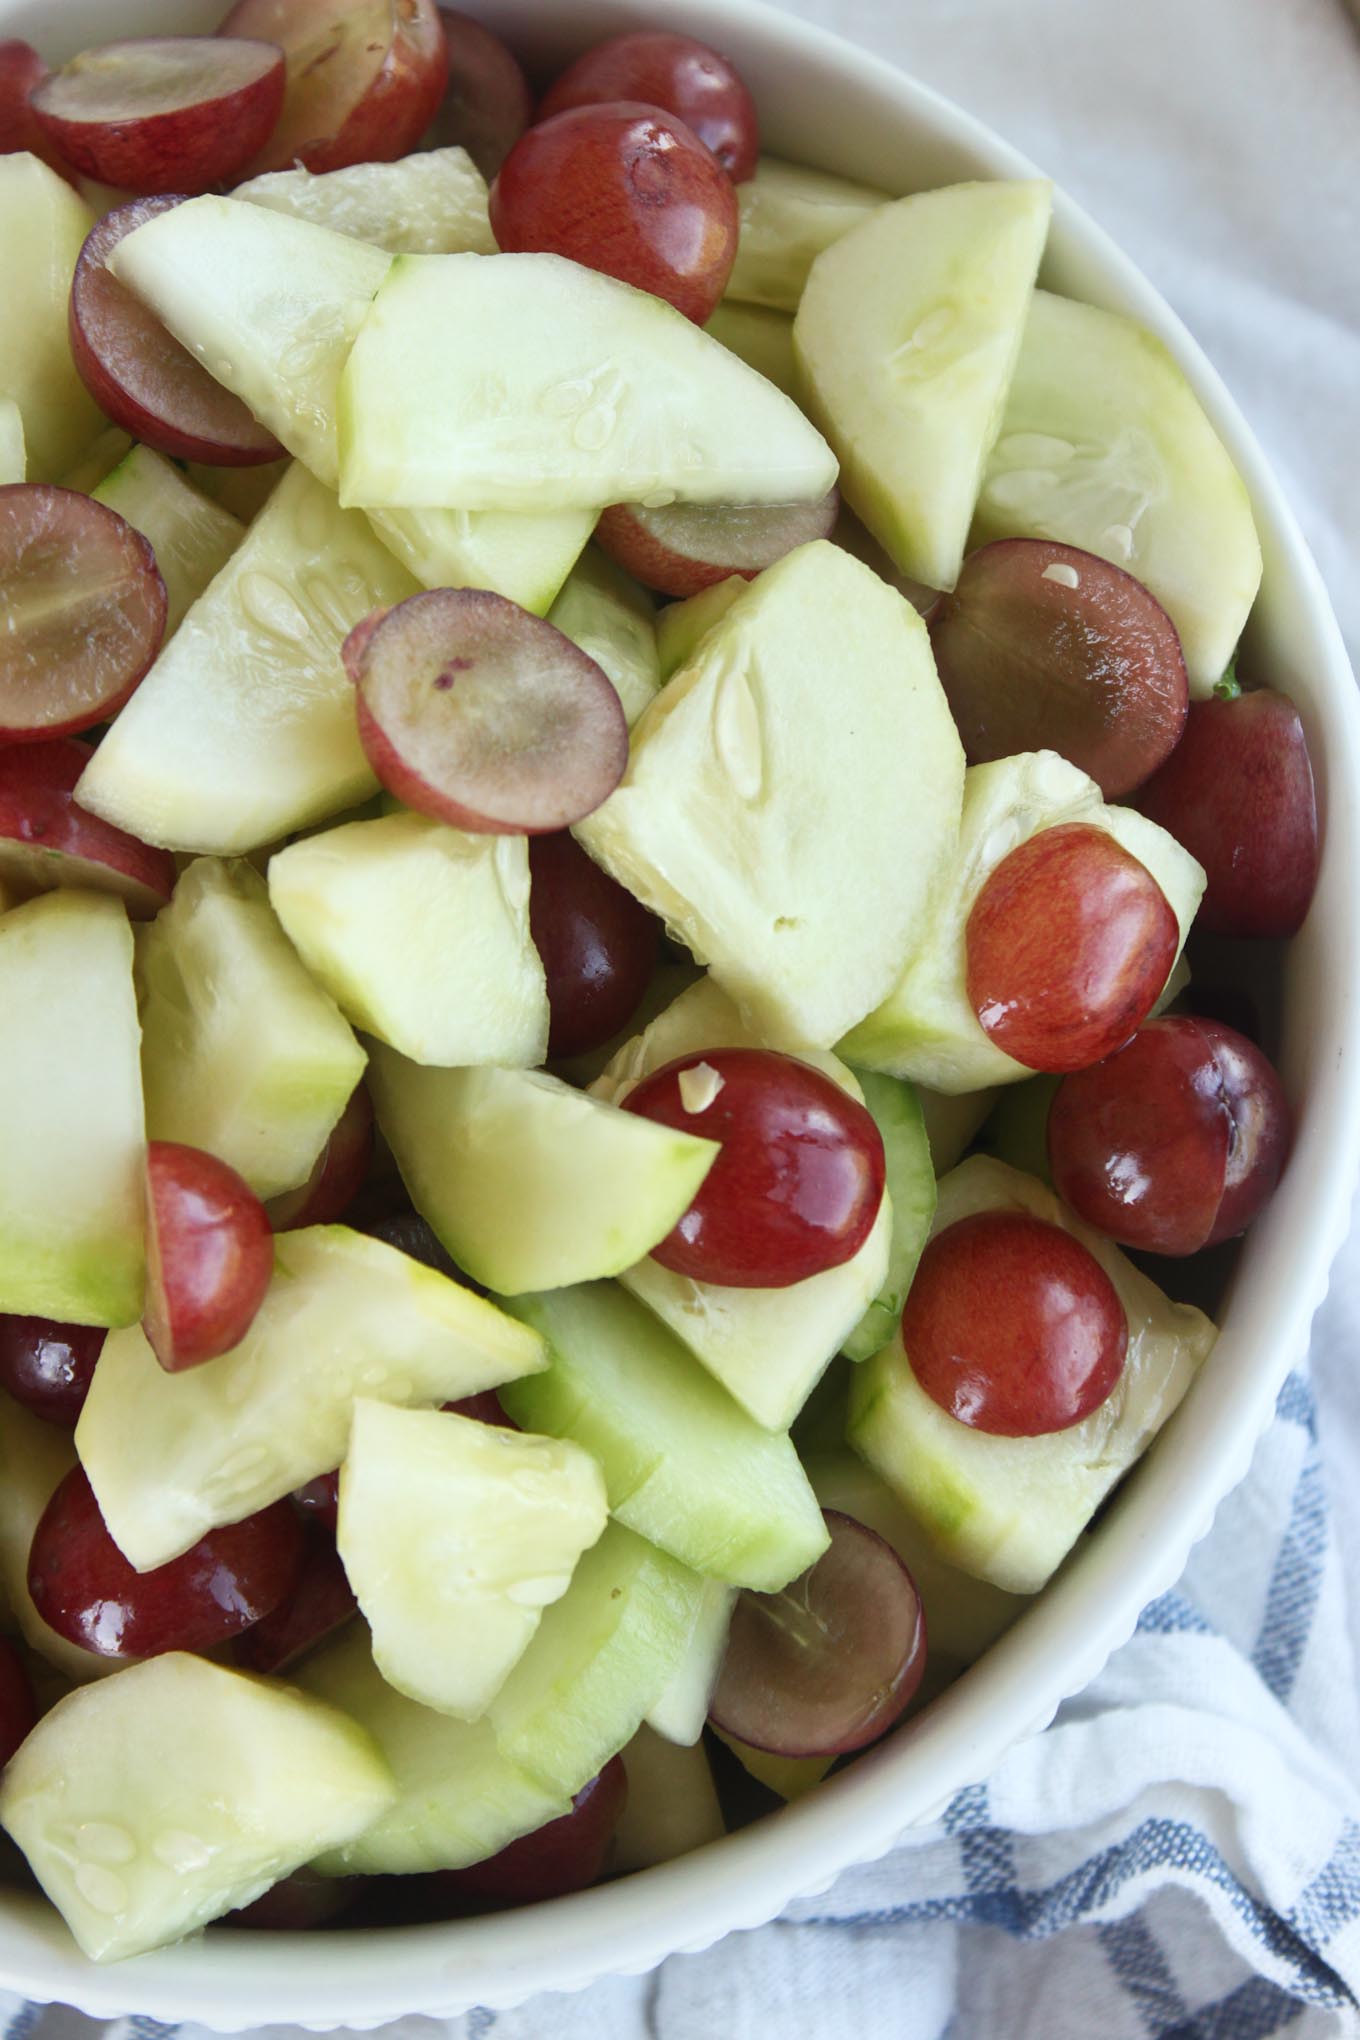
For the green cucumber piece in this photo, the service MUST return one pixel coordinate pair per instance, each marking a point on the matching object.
(244, 729)
(242, 1052)
(911, 1186)
(420, 933)
(613, 620)
(34, 1458)
(788, 216)
(1009, 1509)
(171, 1457)
(926, 1029)
(242, 491)
(1016, 1130)
(682, 626)
(685, 1466)
(159, 1800)
(602, 1656)
(524, 557)
(672, 1805)
(43, 226)
(911, 390)
(456, 1535)
(1105, 445)
(792, 798)
(951, 1122)
(99, 460)
(527, 1182)
(433, 203)
(191, 536)
(13, 450)
(764, 340)
(768, 1347)
(459, 1800)
(71, 1179)
(554, 387)
(682, 1709)
(790, 1778)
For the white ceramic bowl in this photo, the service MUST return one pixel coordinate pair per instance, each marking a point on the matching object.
(825, 103)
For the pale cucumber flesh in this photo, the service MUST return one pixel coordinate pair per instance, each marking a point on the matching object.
(788, 216)
(896, 1110)
(672, 1807)
(191, 536)
(13, 451)
(613, 620)
(678, 1716)
(42, 230)
(432, 203)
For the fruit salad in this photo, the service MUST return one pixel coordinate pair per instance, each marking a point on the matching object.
(622, 783)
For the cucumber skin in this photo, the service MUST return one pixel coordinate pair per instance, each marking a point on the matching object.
(896, 1111)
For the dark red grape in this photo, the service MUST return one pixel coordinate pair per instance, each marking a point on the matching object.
(1012, 1325)
(319, 1500)
(209, 1254)
(483, 1408)
(686, 547)
(799, 1181)
(337, 1175)
(676, 73)
(18, 1709)
(297, 1904)
(319, 1601)
(566, 1855)
(1070, 944)
(487, 103)
(1173, 1143)
(49, 1367)
(598, 944)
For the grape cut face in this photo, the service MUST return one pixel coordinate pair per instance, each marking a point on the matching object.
(676, 73)
(210, 1255)
(46, 840)
(686, 547)
(1069, 945)
(831, 1662)
(475, 712)
(1012, 1326)
(82, 611)
(164, 113)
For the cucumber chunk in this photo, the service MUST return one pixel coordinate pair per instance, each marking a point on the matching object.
(685, 1466)
(43, 226)
(554, 387)
(1010, 1509)
(1105, 445)
(433, 203)
(788, 216)
(161, 1799)
(34, 1458)
(768, 1347)
(682, 1709)
(421, 935)
(529, 1183)
(170, 1457)
(13, 451)
(682, 626)
(896, 1109)
(602, 1656)
(101, 457)
(613, 620)
(910, 390)
(526, 558)
(242, 1053)
(191, 536)
(71, 1230)
(790, 1778)
(764, 340)
(456, 1535)
(792, 798)
(672, 1806)
(459, 1800)
(244, 729)
(926, 1028)
(951, 1122)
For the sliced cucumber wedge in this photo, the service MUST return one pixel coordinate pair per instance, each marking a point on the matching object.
(456, 1535)
(764, 340)
(244, 729)
(791, 1778)
(107, 1798)
(43, 226)
(896, 1108)
(432, 203)
(910, 390)
(682, 626)
(680, 1713)
(1010, 1509)
(172, 1456)
(526, 558)
(71, 1196)
(685, 1465)
(242, 1052)
(554, 387)
(13, 451)
(614, 622)
(1106, 446)
(529, 1183)
(788, 216)
(672, 1805)
(191, 536)
(459, 1799)
(420, 933)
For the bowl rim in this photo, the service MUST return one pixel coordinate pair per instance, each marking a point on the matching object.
(364, 1977)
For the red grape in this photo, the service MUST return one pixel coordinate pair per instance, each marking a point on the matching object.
(365, 77)
(831, 1662)
(799, 1181)
(49, 1367)
(483, 1408)
(84, 1588)
(22, 70)
(566, 1855)
(487, 103)
(46, 840)
(1173, 1143)
(1238, 793)
(1070, 943)
(1013, 1326)
(686, 547)
(82, 611)
(139, 374)
(598, 944)
(210, 1255)
(677, 74)
(18, 1709)
(319, 1601)
(337, 1175)
(626, 190)
(318, 1501)
(296, 1904)
(163, 113)
(1042, 646)
(475, 712)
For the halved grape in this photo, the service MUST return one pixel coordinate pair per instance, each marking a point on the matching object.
(676, 73)
(831, 1662)
(209, 1254)
(46, 840)
(337, 1174)
(686, 547)
(22, 70)
(18, 1709)
(82, 611)
(487, 103)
